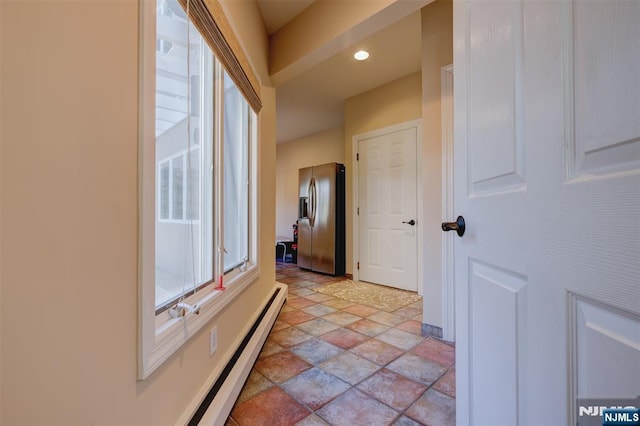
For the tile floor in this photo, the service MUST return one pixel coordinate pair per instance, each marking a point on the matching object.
(331, 361)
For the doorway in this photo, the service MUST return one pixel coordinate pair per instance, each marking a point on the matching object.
(387, 206)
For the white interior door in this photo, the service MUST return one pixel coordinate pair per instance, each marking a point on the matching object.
(387, 202)
(547, 176)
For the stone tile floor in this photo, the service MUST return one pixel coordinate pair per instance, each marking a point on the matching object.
(331, 361)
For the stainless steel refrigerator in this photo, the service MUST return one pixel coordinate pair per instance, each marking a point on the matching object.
(321, 219)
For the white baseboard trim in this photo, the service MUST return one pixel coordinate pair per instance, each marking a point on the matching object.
(214, 402)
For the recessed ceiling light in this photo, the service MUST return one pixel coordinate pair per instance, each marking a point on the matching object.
(361, 55)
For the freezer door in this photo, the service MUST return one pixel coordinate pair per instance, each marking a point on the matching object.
(304, 228)
(324, 220)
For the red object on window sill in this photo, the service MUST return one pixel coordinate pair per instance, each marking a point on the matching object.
(220, 286)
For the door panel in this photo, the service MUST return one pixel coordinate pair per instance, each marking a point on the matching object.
(602, 334)
(547, 286)
(495, 140)
(374, 188)
(497, 312)
(372, 250)
(387, 180)
(606, 97)
(398, 254)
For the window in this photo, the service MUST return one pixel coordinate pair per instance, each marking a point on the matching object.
(236, 175)
(198, 215)
(184, 145)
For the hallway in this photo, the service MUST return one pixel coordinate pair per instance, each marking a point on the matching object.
(333, 361)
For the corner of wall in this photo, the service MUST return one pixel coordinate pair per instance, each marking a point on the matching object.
(249, 28)
(437, 51)
(267, 189)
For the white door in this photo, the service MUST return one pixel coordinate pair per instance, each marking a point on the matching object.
(547, 177)
(387, 189)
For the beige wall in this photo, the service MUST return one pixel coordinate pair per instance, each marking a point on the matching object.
(393, 103)
(437, 51)
(1, 133)
(320, 148)
(246, 19)
(68, 190)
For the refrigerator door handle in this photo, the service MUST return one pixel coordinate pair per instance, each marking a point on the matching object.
(315, 201)
(312, 202)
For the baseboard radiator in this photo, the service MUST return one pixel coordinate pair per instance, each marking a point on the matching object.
(215, 401)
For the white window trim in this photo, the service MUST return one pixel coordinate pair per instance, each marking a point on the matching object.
(160, 336)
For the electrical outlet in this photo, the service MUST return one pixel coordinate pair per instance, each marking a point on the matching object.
(213, 340)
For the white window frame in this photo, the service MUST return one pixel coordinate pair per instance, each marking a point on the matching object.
(159, 335)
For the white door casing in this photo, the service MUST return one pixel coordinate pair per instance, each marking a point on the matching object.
(386, 195)
(448, 272)
(547, 176)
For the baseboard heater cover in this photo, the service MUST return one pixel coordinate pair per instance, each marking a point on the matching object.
(218, 402)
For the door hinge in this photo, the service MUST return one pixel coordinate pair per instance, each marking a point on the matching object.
(358, 211)
(357, 156)
(358, 267)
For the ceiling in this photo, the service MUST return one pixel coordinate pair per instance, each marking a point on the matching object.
(313, 101)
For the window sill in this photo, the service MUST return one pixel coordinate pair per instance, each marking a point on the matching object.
(172, 333)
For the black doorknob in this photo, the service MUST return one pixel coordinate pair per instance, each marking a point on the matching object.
(457, 226)
(411, 222)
